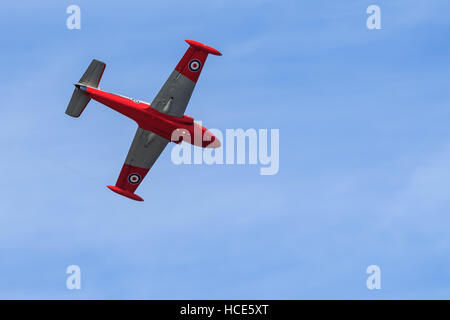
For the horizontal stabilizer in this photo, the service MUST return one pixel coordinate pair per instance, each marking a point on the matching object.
(90, 78)
(93, 74)
(77, 103)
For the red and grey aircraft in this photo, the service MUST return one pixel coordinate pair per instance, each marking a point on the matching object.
(157, 121)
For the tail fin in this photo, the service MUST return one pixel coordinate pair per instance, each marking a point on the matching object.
(90, 78)
(193, 60)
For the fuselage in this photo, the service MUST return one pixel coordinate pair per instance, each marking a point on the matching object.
(175, 129)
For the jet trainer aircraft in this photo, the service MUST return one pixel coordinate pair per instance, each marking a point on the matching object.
(158, 122)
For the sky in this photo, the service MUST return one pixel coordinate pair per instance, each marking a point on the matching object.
(364, 161)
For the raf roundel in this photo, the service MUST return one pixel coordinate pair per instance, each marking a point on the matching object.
(194, 65)
(134, 178)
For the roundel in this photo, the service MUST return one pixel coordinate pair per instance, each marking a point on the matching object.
(134, 178)
(194, 65)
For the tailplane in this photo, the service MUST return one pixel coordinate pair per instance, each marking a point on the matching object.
(90, 78)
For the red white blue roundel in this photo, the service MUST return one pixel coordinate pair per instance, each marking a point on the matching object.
(194, 65)
(134, 178)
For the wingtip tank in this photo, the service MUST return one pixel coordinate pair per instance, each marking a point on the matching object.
(203, 47)
(125, 193)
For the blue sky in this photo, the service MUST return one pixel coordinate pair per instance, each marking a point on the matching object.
(364, 152)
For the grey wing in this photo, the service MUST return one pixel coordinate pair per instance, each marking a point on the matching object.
(145, 149)
(174, 96)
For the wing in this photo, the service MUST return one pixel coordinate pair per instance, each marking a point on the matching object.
(174, 96)
(144, 151)
(172, 99)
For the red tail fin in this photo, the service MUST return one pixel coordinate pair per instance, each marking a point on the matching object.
(193, 60)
